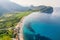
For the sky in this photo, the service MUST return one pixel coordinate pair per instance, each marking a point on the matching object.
(54, 3)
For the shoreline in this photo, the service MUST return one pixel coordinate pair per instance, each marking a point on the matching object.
(20, 25)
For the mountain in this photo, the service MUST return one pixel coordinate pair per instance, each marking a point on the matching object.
(42, 8)
(8, 6)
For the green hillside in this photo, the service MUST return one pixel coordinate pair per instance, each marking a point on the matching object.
(8, 22)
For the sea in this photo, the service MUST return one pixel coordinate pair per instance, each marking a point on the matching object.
(42, 26)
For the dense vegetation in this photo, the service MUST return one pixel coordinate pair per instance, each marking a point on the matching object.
(8, 22)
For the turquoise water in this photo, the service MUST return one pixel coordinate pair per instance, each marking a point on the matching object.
(49, 30)
(42, 26)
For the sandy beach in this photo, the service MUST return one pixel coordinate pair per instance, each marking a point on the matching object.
(20, 25)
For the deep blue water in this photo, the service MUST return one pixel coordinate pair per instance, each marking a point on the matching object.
(51, 31)
(48, 30)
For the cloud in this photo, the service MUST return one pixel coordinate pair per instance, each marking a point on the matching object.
(38, 2)
(44, 17)
(4, 0)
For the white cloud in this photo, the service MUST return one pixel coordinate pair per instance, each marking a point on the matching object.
(38, 2)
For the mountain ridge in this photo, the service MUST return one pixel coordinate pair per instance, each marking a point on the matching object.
(7, 6)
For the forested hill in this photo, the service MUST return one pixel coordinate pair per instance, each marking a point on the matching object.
(8, 23)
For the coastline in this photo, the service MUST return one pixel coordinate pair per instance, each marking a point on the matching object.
(20, 34)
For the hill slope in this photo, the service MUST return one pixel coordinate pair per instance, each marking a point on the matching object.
(8, 6)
